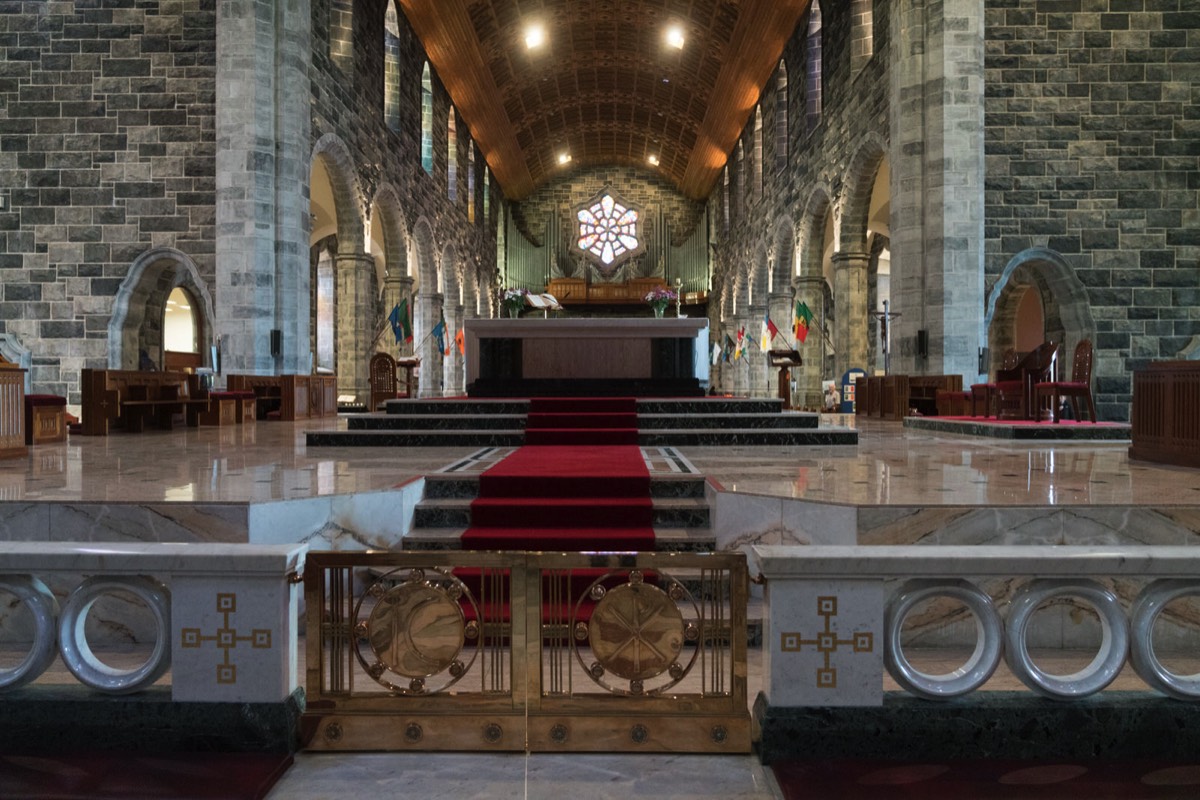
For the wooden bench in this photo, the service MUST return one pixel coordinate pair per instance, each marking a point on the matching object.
(131, 399)
(292, 396)
(12, 420)
(898, 396)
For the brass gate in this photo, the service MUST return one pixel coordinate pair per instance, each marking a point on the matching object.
(515, 651)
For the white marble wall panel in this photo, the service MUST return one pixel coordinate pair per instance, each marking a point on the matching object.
(218, 523)
(235, 638)
(24, 522)
(288, 521)
(742, 519)
(824, 643)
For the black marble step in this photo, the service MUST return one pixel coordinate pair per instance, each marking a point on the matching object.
(441, 486)
(715, 437)
(1042, 431)
(584, 387)
(666, 539)
(455, 405)
(476, 407)
(416, 438)
(694, 421)
(455, 512)
(435, 422)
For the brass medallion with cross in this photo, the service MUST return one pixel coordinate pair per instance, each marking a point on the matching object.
(636, 631)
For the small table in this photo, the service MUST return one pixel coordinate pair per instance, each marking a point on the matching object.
(409, 365)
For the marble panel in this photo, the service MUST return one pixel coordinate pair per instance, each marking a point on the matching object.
(235, 638)
(380, 520)
(817, 523)
(824, 643)
(741, 519)
(149, 522)
(289, 521)
(1132, 525)
(24, 522)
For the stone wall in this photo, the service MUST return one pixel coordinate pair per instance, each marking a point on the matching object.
(106, 151)
(1093, 149)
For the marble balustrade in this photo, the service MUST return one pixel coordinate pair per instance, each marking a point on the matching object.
(224, 617)
(834, 616)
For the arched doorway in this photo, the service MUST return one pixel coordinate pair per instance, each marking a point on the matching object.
(136, 330)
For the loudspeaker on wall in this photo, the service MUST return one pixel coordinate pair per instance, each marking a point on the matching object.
(922, 343)
(276, 343)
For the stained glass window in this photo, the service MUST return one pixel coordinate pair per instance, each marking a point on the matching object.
(608, 229)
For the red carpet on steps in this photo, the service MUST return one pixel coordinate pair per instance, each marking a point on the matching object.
(115, 776)
(580, 483)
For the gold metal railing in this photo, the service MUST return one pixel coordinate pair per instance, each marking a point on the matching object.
(461, 650)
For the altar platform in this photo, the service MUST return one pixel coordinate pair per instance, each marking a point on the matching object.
(1023, 430)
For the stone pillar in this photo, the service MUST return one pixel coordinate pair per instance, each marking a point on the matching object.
(740, 385)
(395, 289)
(850, 311)
(811, 292)
(759, 380)
(454, 362)
(937, 162)
(429, 307)
(264, 52)
(355, 323)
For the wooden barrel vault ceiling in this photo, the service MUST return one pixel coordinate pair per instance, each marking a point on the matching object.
(605, 87)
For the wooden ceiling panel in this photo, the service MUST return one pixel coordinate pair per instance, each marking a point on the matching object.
(605, 86)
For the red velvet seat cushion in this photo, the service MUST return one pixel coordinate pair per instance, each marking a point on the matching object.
(44, 400)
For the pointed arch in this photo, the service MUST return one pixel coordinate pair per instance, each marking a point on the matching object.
(812, 233)
(343, 184)
(814, 66)
(859, 186)
(452, 156)
(785, 253)
(388, 220)
(470, 180)
(781, 116)
(758, 152)
(426, 119)
(391, 67)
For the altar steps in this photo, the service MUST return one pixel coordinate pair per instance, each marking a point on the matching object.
(682, 519)
(455, 422)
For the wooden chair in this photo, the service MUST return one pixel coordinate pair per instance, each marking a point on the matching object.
(1013, 393)
(1079, 386)
(982, 394)
(383, 380)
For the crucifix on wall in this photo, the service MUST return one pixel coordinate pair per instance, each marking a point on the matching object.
(884, 338)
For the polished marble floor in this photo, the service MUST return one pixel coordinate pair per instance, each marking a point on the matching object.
(889, 466)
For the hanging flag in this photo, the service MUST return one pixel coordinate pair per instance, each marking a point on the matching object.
(461, 341)
(741, 337)
(716, 353)
(803, 319)
(401, 325)
(439, 333)
(771, 327)
(728, 348)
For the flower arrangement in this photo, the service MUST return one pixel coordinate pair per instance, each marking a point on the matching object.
(659, 297)
(514, 300)
(661, 294)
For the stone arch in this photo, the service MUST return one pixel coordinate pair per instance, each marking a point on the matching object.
(760, 276)
(395, 245)
(423, 249)
(1067, 313)
(858, 186)
(145, 289)
(812, 233)
(339, 165)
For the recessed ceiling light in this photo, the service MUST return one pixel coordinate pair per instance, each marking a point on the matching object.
(675, 37)
(653, 159)
(535, 36)
(563, 158)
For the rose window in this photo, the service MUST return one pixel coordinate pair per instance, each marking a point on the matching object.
(608, 229)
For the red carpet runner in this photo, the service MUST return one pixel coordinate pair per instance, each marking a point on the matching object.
(580, 483)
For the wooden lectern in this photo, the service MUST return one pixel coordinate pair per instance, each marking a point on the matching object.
(409, 365)
(785, 360)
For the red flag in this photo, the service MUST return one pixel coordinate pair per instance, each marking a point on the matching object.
(461, 342)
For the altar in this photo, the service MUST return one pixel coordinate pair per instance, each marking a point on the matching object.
(596, 356)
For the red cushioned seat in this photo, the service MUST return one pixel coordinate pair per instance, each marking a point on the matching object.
(44, 400)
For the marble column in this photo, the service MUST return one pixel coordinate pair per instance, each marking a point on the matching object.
(453, 364)
(850, 311)
(355, 323)
(264, 54)
(429, 307)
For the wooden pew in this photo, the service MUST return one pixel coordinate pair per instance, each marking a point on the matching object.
(293, 396)
(132, 398)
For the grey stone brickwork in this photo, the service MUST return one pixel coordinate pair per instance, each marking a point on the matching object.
(1093, 154)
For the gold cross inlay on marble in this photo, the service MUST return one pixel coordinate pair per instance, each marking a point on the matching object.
(226, 638)
(827, 642)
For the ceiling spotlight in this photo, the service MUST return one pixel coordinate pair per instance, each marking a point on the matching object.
(535, 36)
(653, 159)
(675, 37)
(563, 158)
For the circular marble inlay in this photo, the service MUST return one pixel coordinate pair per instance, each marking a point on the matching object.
(1173, 776)
(416, 630)
(43, 606)
(77, 651)
(636, 631)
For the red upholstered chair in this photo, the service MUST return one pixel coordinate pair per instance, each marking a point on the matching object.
(1014, 389)
(982, 393)
(1080, 385)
